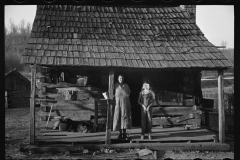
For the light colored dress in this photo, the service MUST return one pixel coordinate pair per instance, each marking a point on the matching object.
(122, 113)
(146, 116)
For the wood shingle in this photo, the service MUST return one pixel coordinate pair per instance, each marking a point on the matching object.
(117, 36)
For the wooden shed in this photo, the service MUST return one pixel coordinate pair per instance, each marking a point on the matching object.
(18, 89)
(160, 43)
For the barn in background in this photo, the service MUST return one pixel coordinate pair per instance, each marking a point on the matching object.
(18, 89)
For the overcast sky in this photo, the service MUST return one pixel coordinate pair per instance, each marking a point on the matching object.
(215, 21)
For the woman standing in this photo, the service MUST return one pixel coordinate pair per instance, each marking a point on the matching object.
(122, 113)
(146, 99)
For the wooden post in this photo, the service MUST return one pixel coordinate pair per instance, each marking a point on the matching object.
(6, 99)
(221, 115)
(110, 103)
(96, 113)
(32, 105)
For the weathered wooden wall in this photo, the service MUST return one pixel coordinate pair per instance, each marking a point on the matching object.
(18, 88)
(16, 82)
(176, 92)
(68, 100)
(19, 98)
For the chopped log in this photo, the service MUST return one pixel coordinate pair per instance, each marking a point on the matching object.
(174, 121)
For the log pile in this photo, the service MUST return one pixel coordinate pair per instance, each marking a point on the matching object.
(62, 99)
(183, 116)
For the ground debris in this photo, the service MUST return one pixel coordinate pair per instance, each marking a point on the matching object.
(7, 136)
(144, 152)
(19, 156)
(85, 151)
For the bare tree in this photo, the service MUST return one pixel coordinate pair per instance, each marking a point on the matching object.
(13, 27)
(16, 38)
(22, 28)
(224, 43)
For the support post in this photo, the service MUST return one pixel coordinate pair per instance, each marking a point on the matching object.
(110, 103)
(96, 113)
(6, 99)
(221, 115)
(32, 105)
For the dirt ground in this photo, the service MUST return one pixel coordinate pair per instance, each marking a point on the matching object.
(17, 132)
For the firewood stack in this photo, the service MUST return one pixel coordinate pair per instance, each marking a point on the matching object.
(69, 100)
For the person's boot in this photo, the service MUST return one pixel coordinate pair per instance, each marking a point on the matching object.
(149, 136)
(124, 136)
(120, 136)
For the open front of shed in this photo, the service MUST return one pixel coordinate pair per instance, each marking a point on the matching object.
(78, 51)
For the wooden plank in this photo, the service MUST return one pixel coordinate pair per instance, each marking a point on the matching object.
(73, 105)
(174, 121)
(6, 99)
(152, 146)
(187, 116)
(32, 105)
(55, 148)
(96, 113)
(110, 107)
(73, 115)
(221, 117)
(66, 86)
(166, 111)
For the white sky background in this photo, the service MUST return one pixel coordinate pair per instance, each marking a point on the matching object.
(215, 21)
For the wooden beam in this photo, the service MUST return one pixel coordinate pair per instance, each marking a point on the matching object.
(174, 121)
(205, 146)
(176, 110)
(96, 113)
(221, 115)
(6, 99)
(110, 107)
(32, 105)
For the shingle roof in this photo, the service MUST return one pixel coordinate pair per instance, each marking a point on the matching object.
(15, 72)
(119, 36)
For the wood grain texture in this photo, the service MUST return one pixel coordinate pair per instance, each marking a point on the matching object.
(126, 33)
(167, 111)
(32, 105)
(110, 107)
(75, 115)
(221, 117)
(174, 121)
(74, 105)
